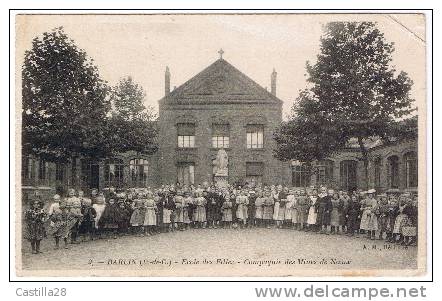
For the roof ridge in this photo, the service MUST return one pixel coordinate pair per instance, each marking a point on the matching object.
(200, 80)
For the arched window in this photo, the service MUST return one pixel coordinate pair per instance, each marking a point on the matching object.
(139, 171)
(348, 174)
(411, 170)
(393, 171)
(324, 174)
(114, 173)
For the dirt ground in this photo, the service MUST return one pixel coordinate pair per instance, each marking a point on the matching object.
(265, 250)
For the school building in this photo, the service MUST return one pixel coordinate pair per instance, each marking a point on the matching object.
(221, 107)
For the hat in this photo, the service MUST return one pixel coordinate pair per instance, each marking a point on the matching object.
(371, 191)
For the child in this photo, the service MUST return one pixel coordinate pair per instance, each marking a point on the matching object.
(109, 221)
(290, 202)
(241, 212)
(124, 217)
(353, 210)
(323, 208)
(311, 218)
(200, 211)
(382, 213)
(87, 225)
(168, 209)
(303, 207)
(150, 217)
(227, 212)
(35, 230)
(280, 206)
(179, 212)
(259, 203)
(401, 219)
(409, 231)
(188, 205)
(99, 205)
(251, 208)
(268, 209)
(392, 213)
(335, 214)
(137, 217)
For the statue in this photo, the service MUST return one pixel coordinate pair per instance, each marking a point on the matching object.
(221, 163)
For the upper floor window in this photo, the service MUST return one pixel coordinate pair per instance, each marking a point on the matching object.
(139, 170)
(186, 135)
(220, 136)
(393, 172)
(255, 136)
(411, 170)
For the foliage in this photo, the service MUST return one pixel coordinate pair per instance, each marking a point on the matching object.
(65, 102)
(132, 125)
(354, 93)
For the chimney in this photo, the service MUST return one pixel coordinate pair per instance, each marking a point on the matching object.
(273, 82)
(167, 82)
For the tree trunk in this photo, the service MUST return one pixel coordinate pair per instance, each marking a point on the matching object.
(364, 152)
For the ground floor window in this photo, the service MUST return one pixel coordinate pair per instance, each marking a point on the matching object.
(324, 175)
(60, 172)
(186, 173)
(90, 175)
(393, 172)
(254, 172)
(300, 175)
(28, 170)
(348, 175)
(139, 171)
(114, 173)
(411, 170)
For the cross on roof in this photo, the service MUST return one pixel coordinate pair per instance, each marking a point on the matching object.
(221, 52)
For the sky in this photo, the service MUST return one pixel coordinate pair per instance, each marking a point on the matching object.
(142, 46)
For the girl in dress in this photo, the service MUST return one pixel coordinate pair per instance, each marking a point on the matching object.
(369, 220)
(280, 206)
(409, 231)
(200, 211)
(312, 215)
(401, 219)
(241, 212)
(188, 204)
(137, 217)
(35, 230)
(382, 213)
(109, 221)
(290, 202)
(99, 204)
(335, 214)
(268, 209)
(150, 217)
(179, 212)
(168, 211)
(227, 211)
(352, 214)
(303, 207)
(393, 212)
(259, 203)
(87, 226)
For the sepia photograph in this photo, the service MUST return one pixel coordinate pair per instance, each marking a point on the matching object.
(221, 145)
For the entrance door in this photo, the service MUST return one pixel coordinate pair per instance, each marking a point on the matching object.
(90, 174)
(348, 173)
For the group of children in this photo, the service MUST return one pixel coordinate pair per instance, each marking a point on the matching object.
(145, 211)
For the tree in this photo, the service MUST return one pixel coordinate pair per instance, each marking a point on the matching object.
(355, 89)
(132, 125)
(65, 102)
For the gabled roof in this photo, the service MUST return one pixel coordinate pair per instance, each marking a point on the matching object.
(220, 83)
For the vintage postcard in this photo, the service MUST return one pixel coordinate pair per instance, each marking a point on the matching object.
(276, 144)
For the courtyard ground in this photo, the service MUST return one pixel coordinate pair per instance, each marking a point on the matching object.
(229, 250)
